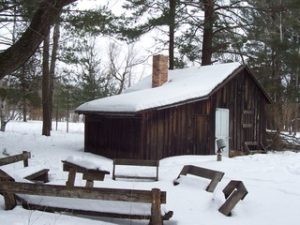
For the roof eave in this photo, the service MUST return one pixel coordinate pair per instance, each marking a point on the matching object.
(107, 113)
(233, 74)
(144, 110)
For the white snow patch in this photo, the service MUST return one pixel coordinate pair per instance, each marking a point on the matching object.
(273, 182)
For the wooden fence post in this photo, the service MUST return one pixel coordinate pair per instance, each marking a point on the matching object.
(26, 155)
(156, 218)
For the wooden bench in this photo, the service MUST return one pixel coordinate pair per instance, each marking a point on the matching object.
(40, 176)
(233, 192)
(16, 158)
(9, 198)
(135, 162)
(155, 198)
(253, 147)
(213, 175)
(90, 175)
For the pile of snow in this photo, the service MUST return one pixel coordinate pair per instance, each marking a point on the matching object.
(272, 180)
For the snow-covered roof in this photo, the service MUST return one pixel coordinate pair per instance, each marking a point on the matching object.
(182, 85)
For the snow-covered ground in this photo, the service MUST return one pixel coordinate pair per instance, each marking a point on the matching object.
(272, 180)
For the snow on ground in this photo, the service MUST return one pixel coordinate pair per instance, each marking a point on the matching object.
(273, 182)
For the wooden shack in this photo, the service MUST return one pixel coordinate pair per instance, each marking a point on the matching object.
(178, 112)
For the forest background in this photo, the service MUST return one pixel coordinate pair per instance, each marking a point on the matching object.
(57, 54)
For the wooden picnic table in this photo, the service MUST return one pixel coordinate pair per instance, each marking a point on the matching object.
(90, 175)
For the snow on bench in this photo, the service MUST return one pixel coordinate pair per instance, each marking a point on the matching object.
(32, 173)
(90, 172)
(136, 204)
(213, 175)
(136, 163)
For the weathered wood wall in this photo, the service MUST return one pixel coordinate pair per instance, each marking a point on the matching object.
(173, 131)
(113, 137)
(246, 104)
(184, 129)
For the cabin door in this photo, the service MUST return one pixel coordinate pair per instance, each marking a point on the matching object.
(222, 128)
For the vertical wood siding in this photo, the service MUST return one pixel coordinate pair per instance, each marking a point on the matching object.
(179, 130)
(246, 105)
(184, 129)
(113, 137)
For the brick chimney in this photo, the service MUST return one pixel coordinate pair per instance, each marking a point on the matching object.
(159, 70)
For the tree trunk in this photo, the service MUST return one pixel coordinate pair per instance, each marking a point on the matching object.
(56, 35)
(3, 125)
(2, 116)
(208, 32)
(46, 90)
(46, 15)
(24, 91)
(172, 4)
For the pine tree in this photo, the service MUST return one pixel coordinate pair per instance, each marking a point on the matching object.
(273, 49)
(158, 14)
(214, 28)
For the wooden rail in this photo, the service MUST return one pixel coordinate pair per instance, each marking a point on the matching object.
(39, 176)
(155, 197)
(16, 158)
(135, 162)
(233, 192)
(213, 175)
(90, 175)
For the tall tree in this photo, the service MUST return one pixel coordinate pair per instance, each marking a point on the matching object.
(46, 90)
(273, 50)
(52, 69)
(208, 32)
(16, 55)
(212, 29)
(158, 14)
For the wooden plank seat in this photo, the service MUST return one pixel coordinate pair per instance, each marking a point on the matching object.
(90, 175)
(62, 194)
(39, 176)
(233, 192)
(32, 174)
(135, 162)
(254, 147)
(24, 156)
(213, 175)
